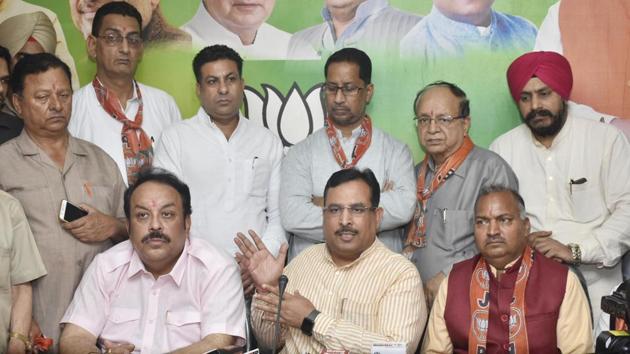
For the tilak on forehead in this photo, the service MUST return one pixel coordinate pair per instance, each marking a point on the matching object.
(550, 67)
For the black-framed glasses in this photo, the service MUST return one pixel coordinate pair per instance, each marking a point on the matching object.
(355, 210)
(346, 90)
(115, 38)
(443, 120)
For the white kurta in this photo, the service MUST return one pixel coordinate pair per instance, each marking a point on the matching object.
(90, 121)
(234, 183)
(594, 214)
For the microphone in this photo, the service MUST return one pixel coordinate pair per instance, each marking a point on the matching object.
(282, 285)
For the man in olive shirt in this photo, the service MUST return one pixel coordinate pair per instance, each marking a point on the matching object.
(45, 165)
(20, 264)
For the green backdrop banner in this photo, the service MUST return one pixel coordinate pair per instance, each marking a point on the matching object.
(284, 94)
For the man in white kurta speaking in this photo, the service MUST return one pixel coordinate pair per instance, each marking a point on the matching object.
(572, 172)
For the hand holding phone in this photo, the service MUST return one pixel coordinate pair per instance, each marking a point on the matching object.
(70, 212)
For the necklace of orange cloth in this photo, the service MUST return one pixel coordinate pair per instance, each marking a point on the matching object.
(416, 230)
(137, 146)
(360, 146)
(480, 307)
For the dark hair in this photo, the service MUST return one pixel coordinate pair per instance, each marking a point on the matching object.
(214, 53)
(162, 176)
(6, 56)
(118, 8)
(35, 64)
(353, 174)
(355, 56)
(464, 103)
(496, 188)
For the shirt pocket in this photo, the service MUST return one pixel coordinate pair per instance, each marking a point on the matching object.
(451, 229)
(5, 270)
(182, 327)
(122, 323)
(362, 314)
(585, 200)
(258, 173)
(100, 197)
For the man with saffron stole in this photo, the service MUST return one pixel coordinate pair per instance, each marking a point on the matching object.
(518, 300)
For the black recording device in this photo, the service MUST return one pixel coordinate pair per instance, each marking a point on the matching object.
(282, 285)
(69, 212)
(617, 339)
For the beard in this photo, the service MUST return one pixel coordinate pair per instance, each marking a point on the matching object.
(550, 130)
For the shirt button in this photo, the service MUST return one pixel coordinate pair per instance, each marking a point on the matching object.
(504, 318)
(551, 178)
(330, 293)
(549, 158)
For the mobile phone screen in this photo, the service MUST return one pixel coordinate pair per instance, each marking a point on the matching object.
(71, 212)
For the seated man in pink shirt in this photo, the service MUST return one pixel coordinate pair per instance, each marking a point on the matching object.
(160, 291)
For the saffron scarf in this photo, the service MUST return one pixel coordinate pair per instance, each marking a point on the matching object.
(360, 146)
(416, 230)
(480, 307)
(137, 146)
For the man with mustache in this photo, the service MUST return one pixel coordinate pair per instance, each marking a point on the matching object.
(114, 111)
(160, 291)
(348, 139)
(449, 179)
(44, 165)
(573, 174)
(509, 298)
(346, 294)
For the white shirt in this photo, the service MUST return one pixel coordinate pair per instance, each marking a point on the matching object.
(270, 42)
(90, 121)
(594, 214)
(234, 183)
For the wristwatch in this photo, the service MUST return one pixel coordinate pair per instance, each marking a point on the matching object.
(309, 323)
(576, 253)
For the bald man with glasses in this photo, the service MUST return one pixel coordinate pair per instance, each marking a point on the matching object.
(449, 179)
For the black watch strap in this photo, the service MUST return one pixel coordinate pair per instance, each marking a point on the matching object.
(308, 323)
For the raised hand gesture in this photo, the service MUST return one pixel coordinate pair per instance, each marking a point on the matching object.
(256, 258)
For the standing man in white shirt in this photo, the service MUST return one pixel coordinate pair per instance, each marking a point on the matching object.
(232, 165)
(115, 112)
(347, 140)
(240, 25)
(573, 174)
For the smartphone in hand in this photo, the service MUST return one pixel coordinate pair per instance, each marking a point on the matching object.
(70, 212)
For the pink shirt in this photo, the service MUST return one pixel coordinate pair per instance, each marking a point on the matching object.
(120, 301)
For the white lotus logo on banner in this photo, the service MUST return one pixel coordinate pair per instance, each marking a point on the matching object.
(292, 117)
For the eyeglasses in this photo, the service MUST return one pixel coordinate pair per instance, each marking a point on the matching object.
(346, 90)
(355, 210)
(115, 38)
(442, 120)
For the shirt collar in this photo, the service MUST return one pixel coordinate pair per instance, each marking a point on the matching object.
(460, 171)
(241, 126)
(458, 29)
(355, 133)
(364, 11)
(370, 250)
(176, 274)
(28, 146)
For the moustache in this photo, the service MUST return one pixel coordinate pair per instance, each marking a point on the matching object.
(346, 229)
(156, 235)
(494, 239)
(538, 112)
